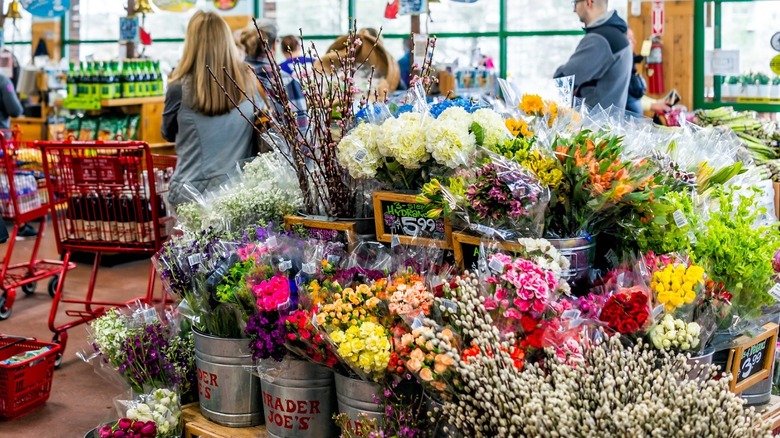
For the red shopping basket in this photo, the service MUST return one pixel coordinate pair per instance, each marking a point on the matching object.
(25, 386)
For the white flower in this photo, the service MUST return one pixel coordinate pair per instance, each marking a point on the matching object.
(694, 329)
(358, 151)
(404, 139)
(493, 126)
(450, 140)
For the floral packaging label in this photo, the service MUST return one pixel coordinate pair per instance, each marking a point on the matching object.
(775, 292)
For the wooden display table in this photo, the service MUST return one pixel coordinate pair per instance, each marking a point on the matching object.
(771, 413)
(197, 426)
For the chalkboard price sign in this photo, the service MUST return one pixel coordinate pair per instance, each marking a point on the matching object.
(401, 215)
(751, 361)
(467, 249)
(328, 231)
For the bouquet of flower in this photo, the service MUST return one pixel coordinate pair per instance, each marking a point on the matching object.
(533, 105)
(598, 182)
(676, 284)
(499, 199)
(350, 320)
(627, 311)
(127, 428)
(266, 191)
(144, 351)
(672, 333)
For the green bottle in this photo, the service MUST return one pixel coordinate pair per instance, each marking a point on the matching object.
(80, 81)
(117, 80)
(103, 81)
(71, 80)
(94, 80)
(159, 75)
(129, 84)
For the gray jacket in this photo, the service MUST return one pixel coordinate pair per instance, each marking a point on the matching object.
(9, 103)
(207, 148)
(601, 64)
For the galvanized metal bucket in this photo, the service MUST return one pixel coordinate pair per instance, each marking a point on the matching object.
(356, 397)
(700, 364)
(300, 401)
(581, 252)
(229, 394)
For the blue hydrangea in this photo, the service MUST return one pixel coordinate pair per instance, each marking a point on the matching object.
(404, 109)
(363, 114)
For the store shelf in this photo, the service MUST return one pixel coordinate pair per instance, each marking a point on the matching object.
(131, 101)
(195, 425)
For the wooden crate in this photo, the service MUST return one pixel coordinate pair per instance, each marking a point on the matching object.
(771, 414)
(197, 426)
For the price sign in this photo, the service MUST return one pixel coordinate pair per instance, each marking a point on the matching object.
(401, 215)
(325, 230)
(751, 361)
(468, 249)
(128, 29)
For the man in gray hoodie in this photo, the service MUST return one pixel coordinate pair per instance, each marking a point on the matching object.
(601, 64)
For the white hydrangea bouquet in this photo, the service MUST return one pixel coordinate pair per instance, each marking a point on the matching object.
(406, 150)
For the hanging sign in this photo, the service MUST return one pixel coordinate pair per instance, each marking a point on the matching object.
(46, 8)
(413, 7)
(175, 5)
(751, 360)
(128, 29)
(774, 64)
(657, 18)
(225, 5)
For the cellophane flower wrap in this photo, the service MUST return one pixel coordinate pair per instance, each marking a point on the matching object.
(162, 406)
(349, 318)
(143, 349)
(600, 182)
(627, 310)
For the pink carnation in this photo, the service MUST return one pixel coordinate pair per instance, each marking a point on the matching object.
(272, 294)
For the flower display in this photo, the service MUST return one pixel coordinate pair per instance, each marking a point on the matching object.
(163, 407)
(493, 129)
(498, 194)
(405, 139)
(671, 333)
(273, 294)
(518, 128)
(364, 348)
(626, 312)
(450, 140)
(267, 333)
(306, 341)
(677, 285)
(359, 153)
(408, 297)
(521, 287)
(350, 306)
(126, 427)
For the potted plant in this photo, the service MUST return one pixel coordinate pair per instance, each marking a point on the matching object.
(731, 88)
(776, 87)
(764, 85)
(749, 83)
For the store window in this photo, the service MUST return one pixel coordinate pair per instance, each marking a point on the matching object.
(315, 17)
(458, 52)
(100, 19)
(534, 15)
(371, 13)
(452, 17)
(530, 71)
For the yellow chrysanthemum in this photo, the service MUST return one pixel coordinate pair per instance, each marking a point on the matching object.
(532, 104)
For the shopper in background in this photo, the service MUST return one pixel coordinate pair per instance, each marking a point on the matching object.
(405, 65)
(601, 64)
(291, 47)
(257, 57)
(210, 134)
(10, 106)
(637, 102)
(372, 32)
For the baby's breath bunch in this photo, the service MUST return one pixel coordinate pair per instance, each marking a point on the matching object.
(616, 391)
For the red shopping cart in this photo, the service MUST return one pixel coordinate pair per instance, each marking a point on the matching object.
(109, 197)
(23, 199)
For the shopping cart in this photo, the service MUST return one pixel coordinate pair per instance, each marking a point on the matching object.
(23, 199)
(109, 197)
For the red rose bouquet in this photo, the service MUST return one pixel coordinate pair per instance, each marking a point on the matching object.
(627, 312)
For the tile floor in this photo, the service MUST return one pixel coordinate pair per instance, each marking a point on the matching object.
(80, 398)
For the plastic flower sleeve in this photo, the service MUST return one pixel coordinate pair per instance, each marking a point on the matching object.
(161, 405)
(627, 310)
(500, 200)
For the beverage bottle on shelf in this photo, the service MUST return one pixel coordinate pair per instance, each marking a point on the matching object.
(102, 80)
(116, 85)
(140, 77)
(94, 82)
(80, 89)
(128, 80)
(143, 80)
(92, 218)
(156, 79)
(144, 221)
(71, 80)
(125, 217)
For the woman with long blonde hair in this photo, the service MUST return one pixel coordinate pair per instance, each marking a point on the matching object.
(209, 132)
